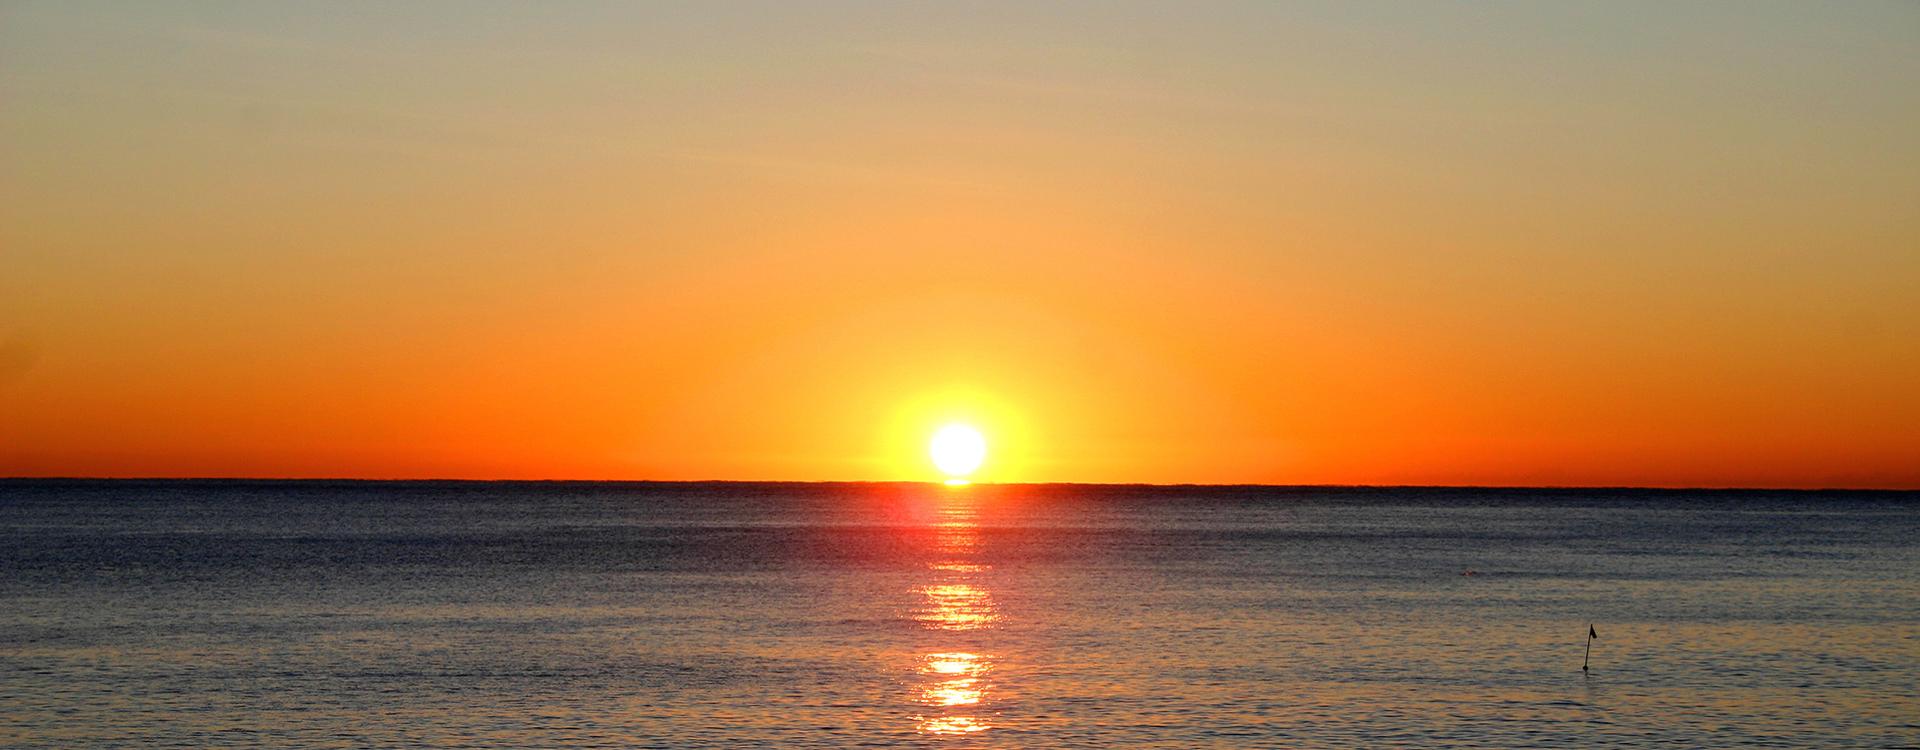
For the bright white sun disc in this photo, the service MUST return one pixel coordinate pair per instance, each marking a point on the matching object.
(958, 450)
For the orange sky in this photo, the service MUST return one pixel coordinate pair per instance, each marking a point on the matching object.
(1338, 243)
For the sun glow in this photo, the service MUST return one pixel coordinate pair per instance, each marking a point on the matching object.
(958, 450)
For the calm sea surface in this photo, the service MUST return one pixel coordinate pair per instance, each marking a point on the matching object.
(247, 614)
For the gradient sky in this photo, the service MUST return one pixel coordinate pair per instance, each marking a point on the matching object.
(1527, 243)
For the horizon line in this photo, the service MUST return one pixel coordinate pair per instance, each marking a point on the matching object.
(942, 483)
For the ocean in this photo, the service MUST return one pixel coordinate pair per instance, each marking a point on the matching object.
(660, 615)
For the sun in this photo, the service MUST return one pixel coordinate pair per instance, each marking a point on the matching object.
(957, 450)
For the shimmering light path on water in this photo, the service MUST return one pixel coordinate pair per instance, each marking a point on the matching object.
(955, 683)
(606, 615)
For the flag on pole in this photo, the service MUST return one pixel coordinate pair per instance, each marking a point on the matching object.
(1585, 657)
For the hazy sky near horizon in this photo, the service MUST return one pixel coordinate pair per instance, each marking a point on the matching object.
(1473, 243)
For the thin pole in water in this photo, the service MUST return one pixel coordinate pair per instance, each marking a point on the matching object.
(1589, 655)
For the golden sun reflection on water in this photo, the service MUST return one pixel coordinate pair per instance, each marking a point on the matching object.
(953, 683)
(958, 679)
(956, 606)
(953, 725)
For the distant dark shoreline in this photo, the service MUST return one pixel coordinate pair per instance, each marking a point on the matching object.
(1043, 487)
